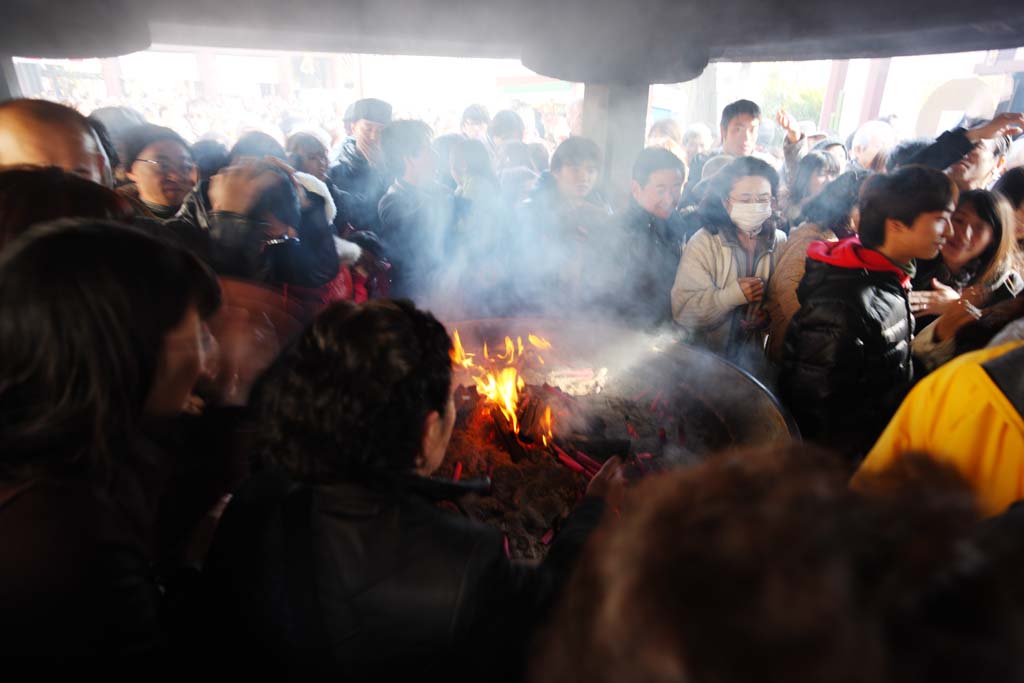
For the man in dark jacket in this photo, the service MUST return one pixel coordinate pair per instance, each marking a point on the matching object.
(652, 232)
(361, 174)
(356, 571)
(847, 361)
(417, 213)
(974, 158)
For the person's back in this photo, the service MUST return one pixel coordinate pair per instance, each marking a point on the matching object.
(338, 556)
(846, 360)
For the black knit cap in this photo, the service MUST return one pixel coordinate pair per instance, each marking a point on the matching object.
(377, 111)
(140, 137)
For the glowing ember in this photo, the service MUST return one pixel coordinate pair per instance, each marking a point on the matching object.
(498, 380)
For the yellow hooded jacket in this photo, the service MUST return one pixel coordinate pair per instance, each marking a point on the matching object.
(959, 416)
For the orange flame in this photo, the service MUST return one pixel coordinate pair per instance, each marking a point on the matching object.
(502, 385)
(545, 424)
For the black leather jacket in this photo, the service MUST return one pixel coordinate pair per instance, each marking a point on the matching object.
(847, 361)
(375, 583)
(362, 186)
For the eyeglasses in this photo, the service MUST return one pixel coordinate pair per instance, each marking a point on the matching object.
(167, 167)
(750, 199)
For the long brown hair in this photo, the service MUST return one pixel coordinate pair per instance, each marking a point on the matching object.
(1002, 255)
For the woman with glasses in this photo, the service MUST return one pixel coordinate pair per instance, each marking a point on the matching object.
(718, 296)
(159, 164)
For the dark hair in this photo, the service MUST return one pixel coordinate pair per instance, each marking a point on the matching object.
(738, 108)
(257, 145)
(1001, 254)
(712, 211)
(36, 195)
(744, 552)
(106, 142)
(828, 144)
(831, 209)
(139, 138)
(210, 156)
(474, 156)
(575, 151)
(280, 200)
(403, 139)
(506, 125)
(1011, 186)
(655, 159)
(666, 128)
(539, 156)
(86, 305)
(302, 143)
(348, 398)
(476, 113)
(903, 195)
(811, 165)
(904, 152)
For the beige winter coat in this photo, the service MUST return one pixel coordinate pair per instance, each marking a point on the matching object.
(706, 297)
(780, 301)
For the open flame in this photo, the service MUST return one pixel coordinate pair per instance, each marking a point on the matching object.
(498, 380)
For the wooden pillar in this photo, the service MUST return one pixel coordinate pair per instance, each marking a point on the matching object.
(878, 74)
(614, 116)
(832, 107)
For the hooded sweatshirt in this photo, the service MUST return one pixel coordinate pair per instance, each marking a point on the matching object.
(846, 360)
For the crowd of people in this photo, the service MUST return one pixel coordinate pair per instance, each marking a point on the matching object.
(223, 398)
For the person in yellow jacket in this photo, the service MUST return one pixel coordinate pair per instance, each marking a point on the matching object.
(966, 414)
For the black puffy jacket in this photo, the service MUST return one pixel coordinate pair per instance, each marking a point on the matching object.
(847, 362)
(362, 186)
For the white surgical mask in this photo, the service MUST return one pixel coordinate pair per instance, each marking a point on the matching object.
(750, 217)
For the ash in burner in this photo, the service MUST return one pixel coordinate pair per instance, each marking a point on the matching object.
(536, 481)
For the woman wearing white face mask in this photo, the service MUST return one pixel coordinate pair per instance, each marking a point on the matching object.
(724, 270)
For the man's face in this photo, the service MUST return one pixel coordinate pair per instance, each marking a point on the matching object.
(976, 170)
(660, 195)
(576, 181)
(367, 135)
(739, 138)
(27, 142)
(928, 234)
(421, 169)
(696, 144)
(164, 173)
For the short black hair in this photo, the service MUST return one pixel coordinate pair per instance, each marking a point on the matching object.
(575, 151)
(738, 108)
(655, 159)
(832, 207)
(901, 154)
(1011, 186)
(257, 145)
(347, 400)
(210, 156)
(903, 195)
(404, 139)
(476, 113)
(712, 210)
(137, 139)
(809, 166)
(86, 305)
(281, 200)
(507, 125)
